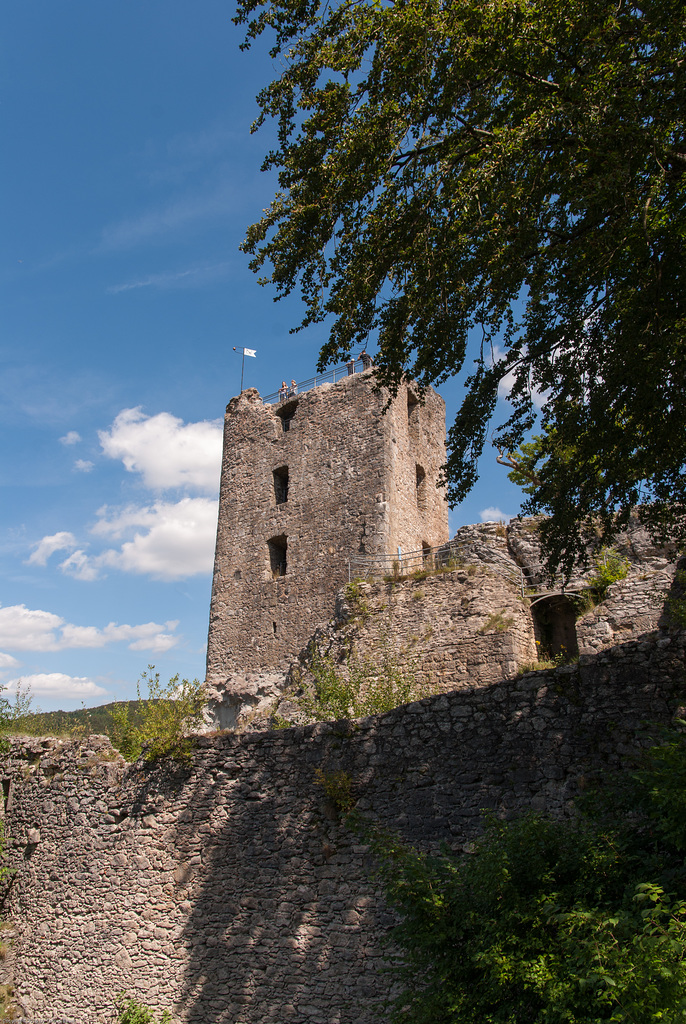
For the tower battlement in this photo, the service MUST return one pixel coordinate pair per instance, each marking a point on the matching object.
(305, 484)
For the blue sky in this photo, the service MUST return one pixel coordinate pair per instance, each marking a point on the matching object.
(129, 178)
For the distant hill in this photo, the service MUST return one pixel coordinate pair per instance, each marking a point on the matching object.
(68, 723)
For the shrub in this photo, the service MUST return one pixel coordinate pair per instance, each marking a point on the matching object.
(14, 712)
(130, 1011)
(609, 567)
(554, 922)
(363, 688)
(165, 717)
(338, 786)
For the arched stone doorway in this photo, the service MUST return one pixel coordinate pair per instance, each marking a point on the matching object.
(554, 620)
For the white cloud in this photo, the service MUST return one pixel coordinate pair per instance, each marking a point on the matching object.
(7, 661)
(194, 277)
(62, 541)
(31, 629)
(57, 684)
(147, 637)
(81, 567)
(83, 465)
(27, 629)
(71, 438)
(494, 515)
(178, 542)
(165, 451)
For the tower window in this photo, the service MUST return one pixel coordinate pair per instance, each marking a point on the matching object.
(412, 409)
(281, 485)
(277, 547)
(421, 487)
(286, 413)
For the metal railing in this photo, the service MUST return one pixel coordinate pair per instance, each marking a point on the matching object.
(445, 556)
(337, 373)
(533, 580)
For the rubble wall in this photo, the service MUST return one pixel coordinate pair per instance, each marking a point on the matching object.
(295, 504)
(461, 628)
(231, 891)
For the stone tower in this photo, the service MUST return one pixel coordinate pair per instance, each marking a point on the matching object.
(306, 483)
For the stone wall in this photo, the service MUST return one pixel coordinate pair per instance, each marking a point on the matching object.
(344, 478)
(633, 606)
(476, 624)
(466, 627)
(231, 892)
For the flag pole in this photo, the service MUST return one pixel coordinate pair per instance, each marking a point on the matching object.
(242, 365)
(245, 351)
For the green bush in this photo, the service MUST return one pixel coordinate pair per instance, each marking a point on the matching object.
(368, 689)
(609, 567)
(164, 719)
(551, 922)
(364, 688)
(338, 786)
(14, 712)
(130, 1011)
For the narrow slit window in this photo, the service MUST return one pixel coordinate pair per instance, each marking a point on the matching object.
(421, 487)
(278, 547)
(281, 485)
(412, 410)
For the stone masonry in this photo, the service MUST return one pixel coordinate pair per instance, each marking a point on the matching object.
(475, 624)
(464, 628)
(230, 891)
(305, 484)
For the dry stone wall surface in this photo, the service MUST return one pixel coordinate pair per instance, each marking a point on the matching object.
(475, 624)
(634, 606)
(463, 628)
(231, 892)
(634, 544)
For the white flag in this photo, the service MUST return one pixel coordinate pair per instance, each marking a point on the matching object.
(249, 351)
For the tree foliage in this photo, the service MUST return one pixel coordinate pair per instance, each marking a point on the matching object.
(551, 922)
(510, 171)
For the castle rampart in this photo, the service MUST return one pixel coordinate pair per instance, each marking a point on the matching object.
(231, 891)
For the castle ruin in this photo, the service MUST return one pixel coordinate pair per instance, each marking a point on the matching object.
(307, 483)
(230, 888)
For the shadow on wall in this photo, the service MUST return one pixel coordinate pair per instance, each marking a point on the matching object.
(282, 920)
(276, 889)
(673, 615)
(554, 621)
